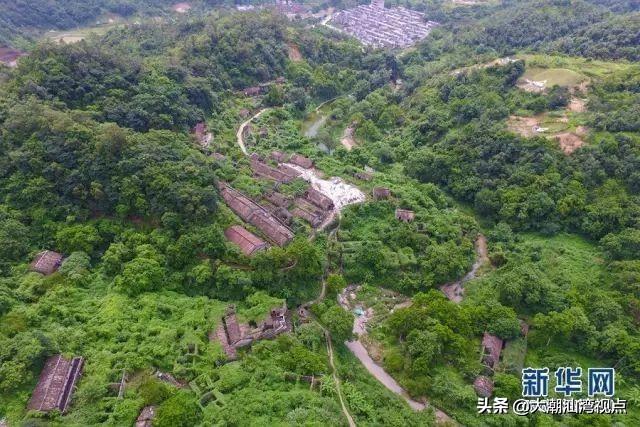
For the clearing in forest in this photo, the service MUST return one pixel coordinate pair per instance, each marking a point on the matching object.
(525, 126)
(544, 72)
(347, 139)
(554, 76)
(181, 7)
(294, 53)
(79, 34)
(588, 68)
(558, 128)
(569, 142)
(538, 80)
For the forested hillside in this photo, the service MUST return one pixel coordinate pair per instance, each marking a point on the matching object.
(19, 17)
(615, 38)
(499, 158)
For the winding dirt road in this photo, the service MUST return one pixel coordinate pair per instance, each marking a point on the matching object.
(455, 291)
(360, 352)
(240, 132)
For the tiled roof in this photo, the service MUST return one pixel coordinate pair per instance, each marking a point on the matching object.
(248, 242)
(301, 161)
(46, 262)
(319, 199)
(56, 384)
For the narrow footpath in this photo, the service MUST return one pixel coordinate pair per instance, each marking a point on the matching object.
(337, 380)
(240, 132)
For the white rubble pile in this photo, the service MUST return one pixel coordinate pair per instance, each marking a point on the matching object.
(340, 193)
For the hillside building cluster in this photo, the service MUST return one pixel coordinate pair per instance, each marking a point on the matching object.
(273, 212)
(380, 27)
(256, 215)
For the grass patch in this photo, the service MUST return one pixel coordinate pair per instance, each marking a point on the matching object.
(583, 66)
(554, 76)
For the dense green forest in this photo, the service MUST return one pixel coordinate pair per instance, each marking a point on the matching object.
(23, 19)
(98, 162)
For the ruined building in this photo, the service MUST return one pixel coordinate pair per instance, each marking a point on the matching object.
(308, 212)
(248, 242)
(256, 215)
(233, 335)
(302, 161)
(491, 349)
(405, 215)
(490, 358)
(46, 262)
(319, 199)
(381, 193)
(56, 384)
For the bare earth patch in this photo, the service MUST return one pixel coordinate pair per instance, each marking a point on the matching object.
(294, 53)
(577, 105)
(532, 126)
(569, 142)
(347, 137)
(524, 126)
(70, 39)
(533, 86)
(181, 7)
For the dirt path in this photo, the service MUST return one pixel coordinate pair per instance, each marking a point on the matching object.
(358, 349)
(347, 139)
(337, 380)
(380, 374)
(327, 336)
(455, 291)
(360, 352)
(240, 132)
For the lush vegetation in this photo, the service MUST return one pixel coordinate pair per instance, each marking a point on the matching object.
(21, 20)
(97, 162)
